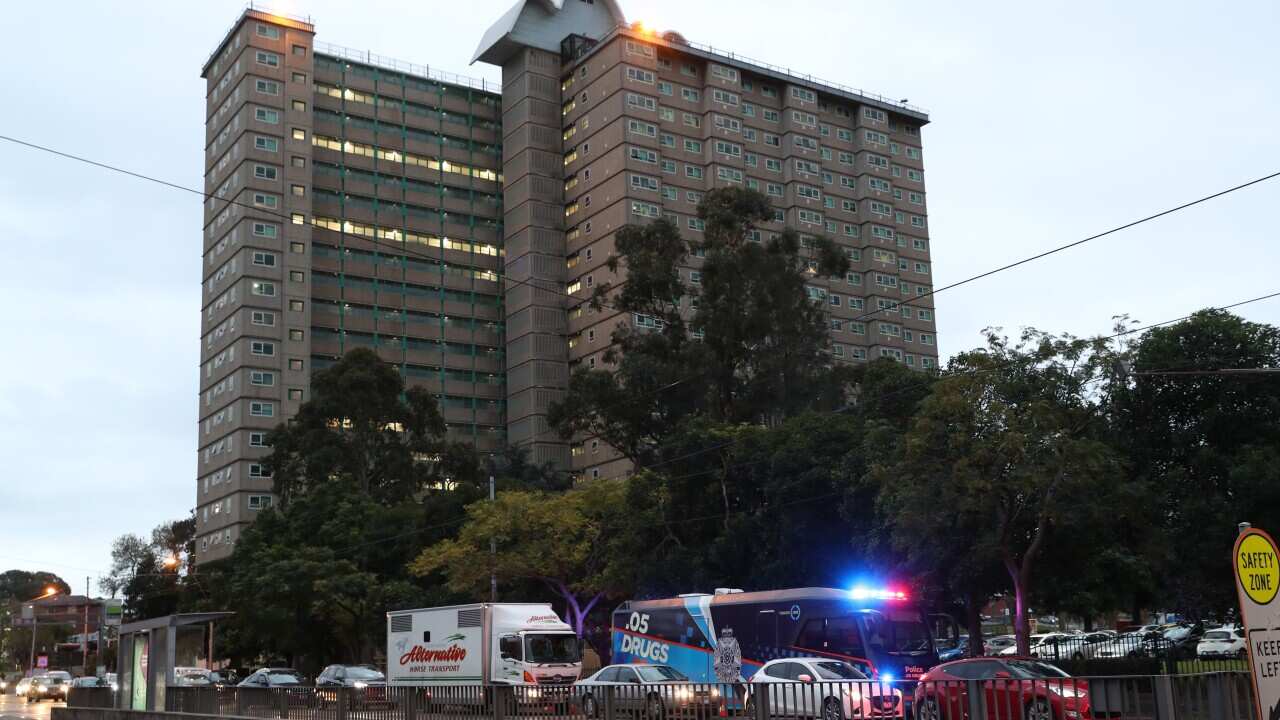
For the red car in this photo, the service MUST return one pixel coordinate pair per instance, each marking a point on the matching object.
(1015, 688)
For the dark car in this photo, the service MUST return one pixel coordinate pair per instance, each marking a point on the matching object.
(960, 649)
(48, 687)
(279, 680)
(360, 685)
(1017, 687)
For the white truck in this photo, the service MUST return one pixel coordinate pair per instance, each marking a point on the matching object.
(481, 644)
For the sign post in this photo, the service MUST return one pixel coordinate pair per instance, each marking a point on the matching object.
(1257, 567)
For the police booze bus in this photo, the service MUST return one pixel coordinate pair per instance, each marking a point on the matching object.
(877, 630)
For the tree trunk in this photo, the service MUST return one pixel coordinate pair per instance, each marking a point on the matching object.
(577, 615)
(973, 613)
(1088, 623)
(1020, 627)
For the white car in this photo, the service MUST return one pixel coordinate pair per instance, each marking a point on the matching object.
(1223, 642)
(994, 645)
(1041, 645)
(823, 688)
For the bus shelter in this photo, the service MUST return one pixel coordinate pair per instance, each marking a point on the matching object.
(150, 649)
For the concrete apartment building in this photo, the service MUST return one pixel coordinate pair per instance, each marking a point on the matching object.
(459, 228)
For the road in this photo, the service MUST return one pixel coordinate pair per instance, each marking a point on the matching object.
(12, 706)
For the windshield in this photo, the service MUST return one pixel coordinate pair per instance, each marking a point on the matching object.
(551, 649)
(895, 633)
(660, 673)
(1029, 669)
(283, 678)
(363, 673)
(838, 671)
(1217, 635)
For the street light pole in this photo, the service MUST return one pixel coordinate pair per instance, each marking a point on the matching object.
(35, 625)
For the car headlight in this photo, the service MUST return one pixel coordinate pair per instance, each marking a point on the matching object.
(1068, 691)
(853, 694)
(715, 692)
(683, 693)
(534, 693)
(359, 685)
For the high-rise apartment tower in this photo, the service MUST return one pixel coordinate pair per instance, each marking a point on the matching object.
(458, 227)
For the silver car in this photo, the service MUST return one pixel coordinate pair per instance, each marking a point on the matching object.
(651, 691)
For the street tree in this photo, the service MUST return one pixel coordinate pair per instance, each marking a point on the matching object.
(1009, 444)
(22, 585)
(566, 541)
(1207, 444)
(746, 343)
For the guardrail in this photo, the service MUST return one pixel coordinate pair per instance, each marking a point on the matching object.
(1210, 696)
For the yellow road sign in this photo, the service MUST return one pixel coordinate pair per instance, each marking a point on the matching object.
(1257, 570)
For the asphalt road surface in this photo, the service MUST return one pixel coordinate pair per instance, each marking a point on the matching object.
(13, 707)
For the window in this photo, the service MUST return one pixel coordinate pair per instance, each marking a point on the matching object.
(299, 105)
(266, 87)
(732, 175)
(728, 124)
(809, 217)
(258, 439)
(875, 138)
(262, 378)
(688, 69)
(642, 102)
(773, 140)
(773, 165)
(773, 189)
(875, 115)
(913, 153)
(695, 277)
(269, 59)
(690, 94)
(265, 259)
(724, 73)
(926, 315)
(266, 115)
(772, 115)
(728, 148)
(640, 127)
(693, 171)
(269, 31)
(265, 230)
(669, 166)
(643, 155)
(644, 209)
(666, 114)
(804, 119)
(806, 143)
(692, 120)
(263, 288)
(664, 88)
(259, 408)
(299, 50)
(299, 77)
(877, 161)
(266, 144)
(922, 268)
(298, 190)
(263, 318)
(297, 247)
(295, 394)
(917, 221)
(768, 91)
(258, 470)
(641, 76)
(265, 200)
(748, 110)
(667, 140)
(879, 185)
(298, 161)
(644, 182)
(724, 97)
(299, 134)
(295, 364)
(804, 95)
(259, 502)
(880, 208)
(697, 224)
(265, 172)
(693, 146)
(635, 48)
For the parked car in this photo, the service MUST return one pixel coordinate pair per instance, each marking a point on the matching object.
(1176, 641)
(277, 677)
(822, 688)
(1222, 643)
(365, 686)
(1076, 647)
(993, 645)
(1016, 687)
(955, 653)
(110, 679)
(653, 690)
(48, 687)
(192, 677)
(88, 681)
(1041, 645)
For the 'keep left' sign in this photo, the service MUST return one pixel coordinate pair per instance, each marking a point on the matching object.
(1257, 568)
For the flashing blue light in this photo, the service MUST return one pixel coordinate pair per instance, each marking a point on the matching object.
(886, 677)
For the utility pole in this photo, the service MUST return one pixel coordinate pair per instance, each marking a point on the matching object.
(493, 552)
(31, 659)
(84, 637)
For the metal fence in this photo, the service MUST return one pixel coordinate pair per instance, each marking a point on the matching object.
(1207, 696)
(1133, 655)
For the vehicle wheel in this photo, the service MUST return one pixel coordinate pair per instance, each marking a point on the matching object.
(589, 708)
(1039, 709)
(654, 709)
(831, 709)
(929, 710)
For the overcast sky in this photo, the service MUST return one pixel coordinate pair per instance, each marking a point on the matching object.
(1051, 121)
